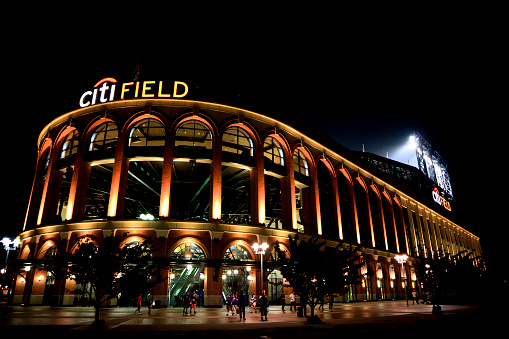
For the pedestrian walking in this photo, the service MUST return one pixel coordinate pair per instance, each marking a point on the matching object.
(331, 301)
(321, 303)
(228, 304)
(241, 304)
(415, 297)
(138, 303)
(234, 303)
(264, 303)
(283, 302)
(185, 303)
(252, 303)
(293, 305)
(194, 301)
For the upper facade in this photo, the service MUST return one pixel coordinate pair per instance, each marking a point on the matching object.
(186, 160)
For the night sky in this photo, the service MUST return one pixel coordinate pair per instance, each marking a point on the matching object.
(359, 86)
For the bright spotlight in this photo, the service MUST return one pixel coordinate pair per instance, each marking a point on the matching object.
(413, 141)
(147, 216)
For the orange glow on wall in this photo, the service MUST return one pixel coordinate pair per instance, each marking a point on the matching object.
(164, 208)
(216, 210)
(261, 212)
(112, 205)
(70, 208)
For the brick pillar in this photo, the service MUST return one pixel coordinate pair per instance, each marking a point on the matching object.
(257, 282)
(27, 292)
(79, 187)
(316, 223)
(257, 179)
(51, 185)
(337, 210)
(160, 291)
(288, 203)
(165, 202)
(216, 177)
(118, 179)
(213, 289)
(35, 196)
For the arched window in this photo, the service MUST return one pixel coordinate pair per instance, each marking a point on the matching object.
(189, 251)
(47, 159)
(329, 225)
(51, 253)
(283, 250)
(345, 205)
(104, 137)
(193, 134)
(237, 252)
(147, 132)
(300, 164)
(273, 152)
(70, 145)
(236, 140)
(134, 250)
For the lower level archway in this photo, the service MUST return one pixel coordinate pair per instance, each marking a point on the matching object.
(185, 279)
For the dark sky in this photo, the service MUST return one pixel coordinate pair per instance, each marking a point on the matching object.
(369, 85)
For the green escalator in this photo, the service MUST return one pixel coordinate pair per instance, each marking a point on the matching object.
(186, 280)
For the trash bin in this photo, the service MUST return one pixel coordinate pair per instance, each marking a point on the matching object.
(299, 311)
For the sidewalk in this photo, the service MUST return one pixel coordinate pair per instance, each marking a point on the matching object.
(214, 322)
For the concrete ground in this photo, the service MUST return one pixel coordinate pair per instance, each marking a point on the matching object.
(368, 317)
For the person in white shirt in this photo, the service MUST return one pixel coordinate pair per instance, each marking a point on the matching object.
(292, 302)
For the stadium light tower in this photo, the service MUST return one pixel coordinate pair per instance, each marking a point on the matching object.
(413, 141)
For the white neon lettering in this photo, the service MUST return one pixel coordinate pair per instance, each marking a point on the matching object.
(103, 89)
(112, 92)
(83, 104)
(94, 96)
(108, 84)
(436, 197)
(441, 200)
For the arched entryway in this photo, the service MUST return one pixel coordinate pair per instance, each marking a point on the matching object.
(236, 276)
(184, 275)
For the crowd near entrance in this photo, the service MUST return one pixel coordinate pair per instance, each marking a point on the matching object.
(186, 279)
(234, 280)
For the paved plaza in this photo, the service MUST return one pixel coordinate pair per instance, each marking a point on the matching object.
(386, 316)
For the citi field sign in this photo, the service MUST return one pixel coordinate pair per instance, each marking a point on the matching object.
(440, 200)
(106, 90)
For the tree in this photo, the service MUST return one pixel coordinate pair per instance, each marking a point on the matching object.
(315, 271)
(451, 277)
(111, 271)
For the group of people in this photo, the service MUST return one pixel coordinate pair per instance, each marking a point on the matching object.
(238, 302)
(425, 299)
(189, 301)
(234, 303)
(293, 304)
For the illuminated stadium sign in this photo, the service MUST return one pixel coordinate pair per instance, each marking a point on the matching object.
(105, 91)
(431, 164)
(440, 200)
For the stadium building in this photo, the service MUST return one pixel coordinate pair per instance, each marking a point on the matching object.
(205, 181)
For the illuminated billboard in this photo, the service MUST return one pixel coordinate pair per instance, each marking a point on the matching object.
(131, 90)
(432, 164)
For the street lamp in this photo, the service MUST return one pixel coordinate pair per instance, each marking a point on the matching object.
(172, 276)
(7, 246)
(402, 260)
(260, 249)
